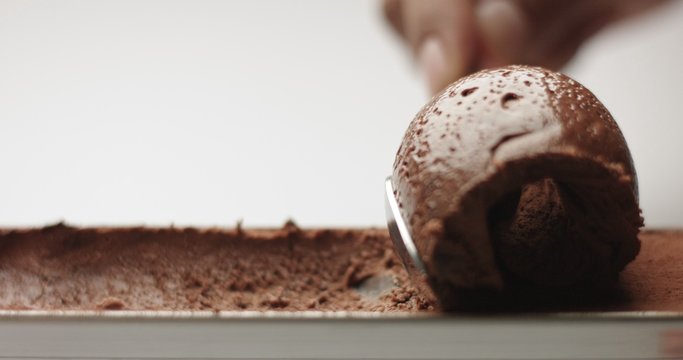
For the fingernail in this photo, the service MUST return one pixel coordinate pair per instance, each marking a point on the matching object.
(433, 63)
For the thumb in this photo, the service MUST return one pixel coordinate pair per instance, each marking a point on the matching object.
(442, 37)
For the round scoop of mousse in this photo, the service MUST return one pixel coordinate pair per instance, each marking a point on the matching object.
(517, 183)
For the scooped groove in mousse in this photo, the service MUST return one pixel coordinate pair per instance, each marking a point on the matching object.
(517, 185)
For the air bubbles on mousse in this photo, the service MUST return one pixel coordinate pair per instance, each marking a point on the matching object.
(535, 200)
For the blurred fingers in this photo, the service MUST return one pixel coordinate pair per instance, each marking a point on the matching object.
(503, 32)
(440, 34)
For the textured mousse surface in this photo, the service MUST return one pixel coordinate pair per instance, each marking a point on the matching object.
(66, 268)
(61, 267)
(517, 178)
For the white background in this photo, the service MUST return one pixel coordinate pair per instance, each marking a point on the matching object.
(206, 112)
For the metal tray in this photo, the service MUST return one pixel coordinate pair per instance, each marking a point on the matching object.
(337, 335)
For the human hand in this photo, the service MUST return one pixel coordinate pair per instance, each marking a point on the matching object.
(451, 38)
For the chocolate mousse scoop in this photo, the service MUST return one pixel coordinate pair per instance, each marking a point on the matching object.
(517, 187)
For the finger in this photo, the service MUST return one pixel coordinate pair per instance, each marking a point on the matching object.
(503, 32)
(559, 34)
(586, 18)
(557, 29)
(392, 13)
(442, 36)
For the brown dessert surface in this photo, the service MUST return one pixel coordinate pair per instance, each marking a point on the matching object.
(517, 179)
(289, 269)
(61, 267)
